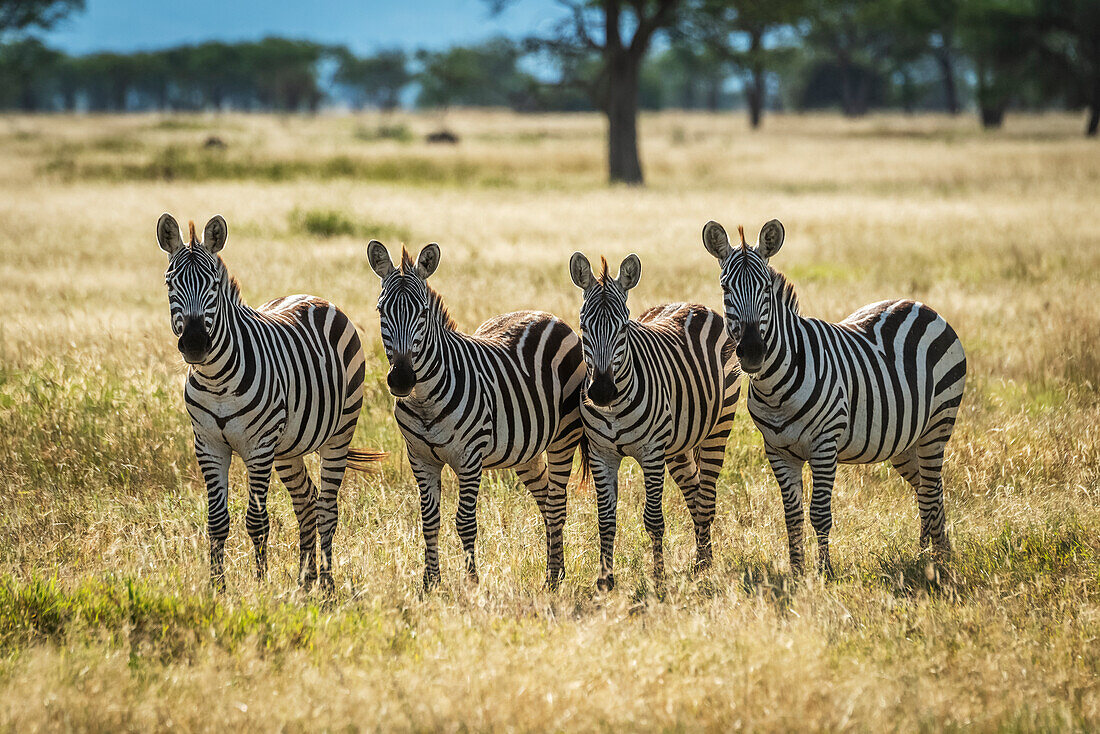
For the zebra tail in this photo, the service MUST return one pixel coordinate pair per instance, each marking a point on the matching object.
(586, 460)
(361, 459)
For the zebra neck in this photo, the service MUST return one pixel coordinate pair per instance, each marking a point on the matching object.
(782, 350)
(226, 365)
(435, 365)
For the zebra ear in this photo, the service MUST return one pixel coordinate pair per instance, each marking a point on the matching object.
(770, 239)
(379, 258)
(214, 234)
(168, 234)
(428, 260)
(716, 240)
(580, 270)
(630, 272)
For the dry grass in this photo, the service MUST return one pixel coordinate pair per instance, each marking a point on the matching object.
(105, 618)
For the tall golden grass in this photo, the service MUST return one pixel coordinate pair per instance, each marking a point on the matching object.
(106, 621)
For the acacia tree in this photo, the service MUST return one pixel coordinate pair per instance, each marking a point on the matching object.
(17, 16)
(1071, 38)
(743, 32)
(619, 33)
(375, 80)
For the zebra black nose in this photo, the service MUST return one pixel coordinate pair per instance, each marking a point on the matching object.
(194, 342)
(401, 378)
(750, 349)
(601, 390)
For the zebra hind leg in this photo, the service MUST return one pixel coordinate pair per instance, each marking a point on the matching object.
(685, 472)
(922, 467)
(334, 461)
(544, 482)
(303, 495)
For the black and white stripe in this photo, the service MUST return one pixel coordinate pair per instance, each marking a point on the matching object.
(661, 389)
(269, 384)
(885, 383)
(501, 398)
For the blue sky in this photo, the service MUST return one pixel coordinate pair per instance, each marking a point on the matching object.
(364, 26)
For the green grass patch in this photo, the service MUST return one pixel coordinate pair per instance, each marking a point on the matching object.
(334, 223)
(177, 163)
(397, 132)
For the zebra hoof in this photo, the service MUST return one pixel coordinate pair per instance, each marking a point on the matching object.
(606, 583)
(431, 580)
(326, 583)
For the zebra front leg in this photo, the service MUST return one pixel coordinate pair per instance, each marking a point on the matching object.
(653, 471)
(256, 519)
(823, 468)
(788, 474)
(303, 495)
(428, 481)
(334, 461)
(214, 459)
(605, 475)
(469, 482)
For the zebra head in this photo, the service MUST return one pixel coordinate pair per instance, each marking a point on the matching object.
(746, 285)
(403, 311)
(194, 279)
(604, 320)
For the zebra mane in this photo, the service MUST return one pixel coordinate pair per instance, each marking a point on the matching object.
(602, 277)
(435, 301)
(788, 296)
(232, 285)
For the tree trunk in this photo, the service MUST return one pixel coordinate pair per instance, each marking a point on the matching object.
(993, 116)
(754, 94)
(622, 120)
(1094, 109)
(947, 72)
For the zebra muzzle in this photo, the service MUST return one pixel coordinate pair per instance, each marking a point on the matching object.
(750, 349)
(401, 378)
(194, 342)
(601, 390)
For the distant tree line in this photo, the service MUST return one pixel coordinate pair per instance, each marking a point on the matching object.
(851, 55)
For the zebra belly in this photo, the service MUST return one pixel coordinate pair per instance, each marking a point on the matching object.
(228, 421)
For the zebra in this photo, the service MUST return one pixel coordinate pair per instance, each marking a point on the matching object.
(884, 383)
(662, 389)
(270, 384)
(499, 398)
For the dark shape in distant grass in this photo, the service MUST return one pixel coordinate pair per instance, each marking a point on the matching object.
(442, 136)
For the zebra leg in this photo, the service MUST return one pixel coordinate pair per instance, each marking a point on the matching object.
(788, 474)
(469, 482)
(214, 462)
(933, 518)
(303, 495)
(605, 475)
(536, 477)
(685, 472)
(256, 519)
(334, 460)
(653, 470)
(428, 481)
(823, 468)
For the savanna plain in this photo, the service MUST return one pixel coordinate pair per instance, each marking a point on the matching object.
(107, 621)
